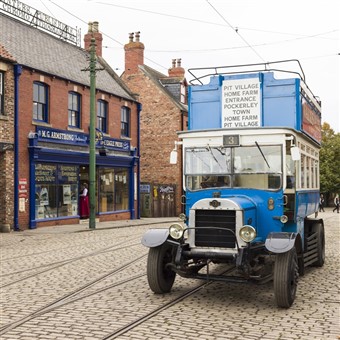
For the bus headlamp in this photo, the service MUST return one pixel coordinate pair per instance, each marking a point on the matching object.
(176, 231)
(284, 219)
(247, 233)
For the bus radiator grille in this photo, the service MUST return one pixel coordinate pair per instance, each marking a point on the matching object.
(215, 228)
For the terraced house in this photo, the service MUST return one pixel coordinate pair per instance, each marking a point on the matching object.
(51, 104)
(165, 111)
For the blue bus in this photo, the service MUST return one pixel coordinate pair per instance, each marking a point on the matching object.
(251, 183)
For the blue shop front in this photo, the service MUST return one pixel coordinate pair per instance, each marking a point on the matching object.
(59, 166)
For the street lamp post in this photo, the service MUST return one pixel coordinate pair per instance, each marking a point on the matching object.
(92, 186)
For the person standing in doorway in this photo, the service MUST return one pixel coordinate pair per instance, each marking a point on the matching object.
(84, 209)
(337, 203)
(321, 203)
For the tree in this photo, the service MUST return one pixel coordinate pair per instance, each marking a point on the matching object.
(329, 161)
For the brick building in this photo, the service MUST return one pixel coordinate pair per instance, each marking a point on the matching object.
(6, 139)
(164, 112)
(52, 132)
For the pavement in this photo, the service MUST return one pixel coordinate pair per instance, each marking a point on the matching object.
(84, 225)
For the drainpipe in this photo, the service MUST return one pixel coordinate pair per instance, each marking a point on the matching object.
(139, 109)
(17, 73)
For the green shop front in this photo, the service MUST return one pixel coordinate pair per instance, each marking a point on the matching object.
(59, 166)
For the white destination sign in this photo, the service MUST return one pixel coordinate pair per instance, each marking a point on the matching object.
(241, 103)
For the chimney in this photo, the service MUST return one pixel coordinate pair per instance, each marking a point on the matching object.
(93, 31)
(176, 71)
(134, 54)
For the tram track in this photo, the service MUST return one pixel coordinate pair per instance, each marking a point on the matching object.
(130, 326)
(73, 296)
(61, 263)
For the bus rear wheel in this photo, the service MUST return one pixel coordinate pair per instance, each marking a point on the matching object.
(318, 228)
(160, 276)
(286, 274)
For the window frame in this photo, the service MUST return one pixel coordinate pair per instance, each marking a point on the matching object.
(76, 111)
(41, 104)
(102, 110)
(125, 121)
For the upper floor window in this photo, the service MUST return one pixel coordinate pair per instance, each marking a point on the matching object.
(125, 122)
(102, 115)
(2, 93)
(74, 104)
(40, 102)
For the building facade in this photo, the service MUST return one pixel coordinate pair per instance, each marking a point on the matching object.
(52, 131)
(165, 111)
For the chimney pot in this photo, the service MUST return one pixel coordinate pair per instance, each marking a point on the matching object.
(89, 30)
(179, 62)
(137, 35)
(173, 63)
(131, 37)
(95, 26)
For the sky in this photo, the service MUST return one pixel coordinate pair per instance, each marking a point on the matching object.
(212, 33)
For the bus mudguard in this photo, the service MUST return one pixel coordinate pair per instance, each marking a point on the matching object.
(155, 237)
(280, 242)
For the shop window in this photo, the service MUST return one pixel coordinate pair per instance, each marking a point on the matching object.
(102, 115)
(2, 93)
(125, 121)
(74, 105)
(56, 191)
(121, 189)
(40, 102)
(113, 189)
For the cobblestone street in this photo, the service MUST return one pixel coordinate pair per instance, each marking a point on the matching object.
(72, 283)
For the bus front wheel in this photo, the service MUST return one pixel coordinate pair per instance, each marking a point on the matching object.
(286, 274)
(160, 276)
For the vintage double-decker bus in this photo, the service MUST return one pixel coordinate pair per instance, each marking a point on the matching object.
(251, 182)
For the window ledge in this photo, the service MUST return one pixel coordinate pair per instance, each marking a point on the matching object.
(4, 117)
(34, 122)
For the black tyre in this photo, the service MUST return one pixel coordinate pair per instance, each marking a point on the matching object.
(160, 277)
(320, 236)
(286, 274)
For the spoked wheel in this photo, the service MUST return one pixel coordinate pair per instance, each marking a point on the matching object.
(320, 244)
(286, 274)
(160, 277)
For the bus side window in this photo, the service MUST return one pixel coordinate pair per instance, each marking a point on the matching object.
(290, 182)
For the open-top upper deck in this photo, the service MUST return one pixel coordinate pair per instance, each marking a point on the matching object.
(237, 99)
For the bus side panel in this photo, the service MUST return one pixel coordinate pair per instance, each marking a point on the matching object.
(307, 203)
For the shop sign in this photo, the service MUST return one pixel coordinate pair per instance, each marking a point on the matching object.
(23, 188)
(144, 188)
(41, 20)
(80, 139)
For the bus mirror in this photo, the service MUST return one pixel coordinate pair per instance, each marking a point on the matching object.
(173, 157)
(295, 152)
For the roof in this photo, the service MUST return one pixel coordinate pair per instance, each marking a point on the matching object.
(171, 86)
(38, 50)
(4, 54)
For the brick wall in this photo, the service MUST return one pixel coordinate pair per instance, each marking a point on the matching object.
(7, 157)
